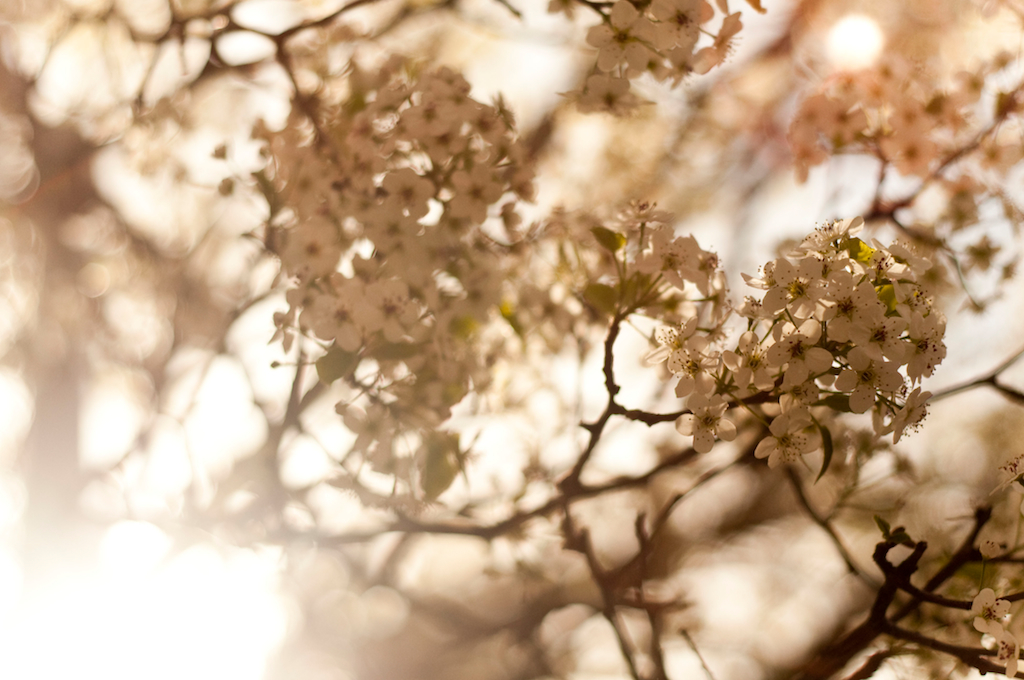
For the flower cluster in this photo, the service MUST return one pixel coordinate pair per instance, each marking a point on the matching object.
(950, 136)
(559, 302)
(896, 111)
(659, 38)
(989, 619)
(386, 218)
(842, 326)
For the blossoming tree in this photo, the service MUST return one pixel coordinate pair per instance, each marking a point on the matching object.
(539, 380)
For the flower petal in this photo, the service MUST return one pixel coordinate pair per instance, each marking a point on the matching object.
(703, 441)
(685, 423)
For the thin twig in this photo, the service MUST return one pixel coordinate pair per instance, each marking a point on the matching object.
(829, 529)
(580, 540)
(836, 655)
(972, 656)
(693, 645)
(987, 379)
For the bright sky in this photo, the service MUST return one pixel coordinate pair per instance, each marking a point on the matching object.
(202, 614)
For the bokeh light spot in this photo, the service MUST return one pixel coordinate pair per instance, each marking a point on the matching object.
(854, 42)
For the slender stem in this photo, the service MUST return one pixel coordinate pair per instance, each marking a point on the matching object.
(987, 379)
(828, 528)
(703, 664)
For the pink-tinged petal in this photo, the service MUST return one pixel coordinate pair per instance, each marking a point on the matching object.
(802, 308)
(895, 350)
(862, 399)
(754, 282)
(983, 600)
(393, 332)
(599, 36)
(775, 299)
(638, 57)
(806, 444)
(624, 14)
(705, 382)
(688, 328)
(874, 352)
(795, 374)
(685, 423)
(348, 338)
(818, 359)
(765, 447)
(839, 329)
(608, 58)
(993, 628)
(846, 381)
(783, 271)
(889, 380)
(684, 386)
(697, 400)
(858, 359)
(656, 356)
(779, 426)
(810, 329)
(732, 360)
(763, 380)
(809, 268)
(677, 361)
(703, 441)
(778, 353)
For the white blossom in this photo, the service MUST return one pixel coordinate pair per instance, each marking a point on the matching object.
(788, 439)
(705, 421)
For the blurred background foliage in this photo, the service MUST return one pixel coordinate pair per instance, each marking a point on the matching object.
(165, 505)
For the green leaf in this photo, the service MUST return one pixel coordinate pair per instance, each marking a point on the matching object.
(972, 571)
(396, 351)
(508, 313)
(602, 297)
(609, 240)
(337, 363)
(883, 526)
(902, 537)
(837, 402)
(887, 295)
(442, 464)
(463, 326)
(629, 290)
(858, 250)
(826, 443)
